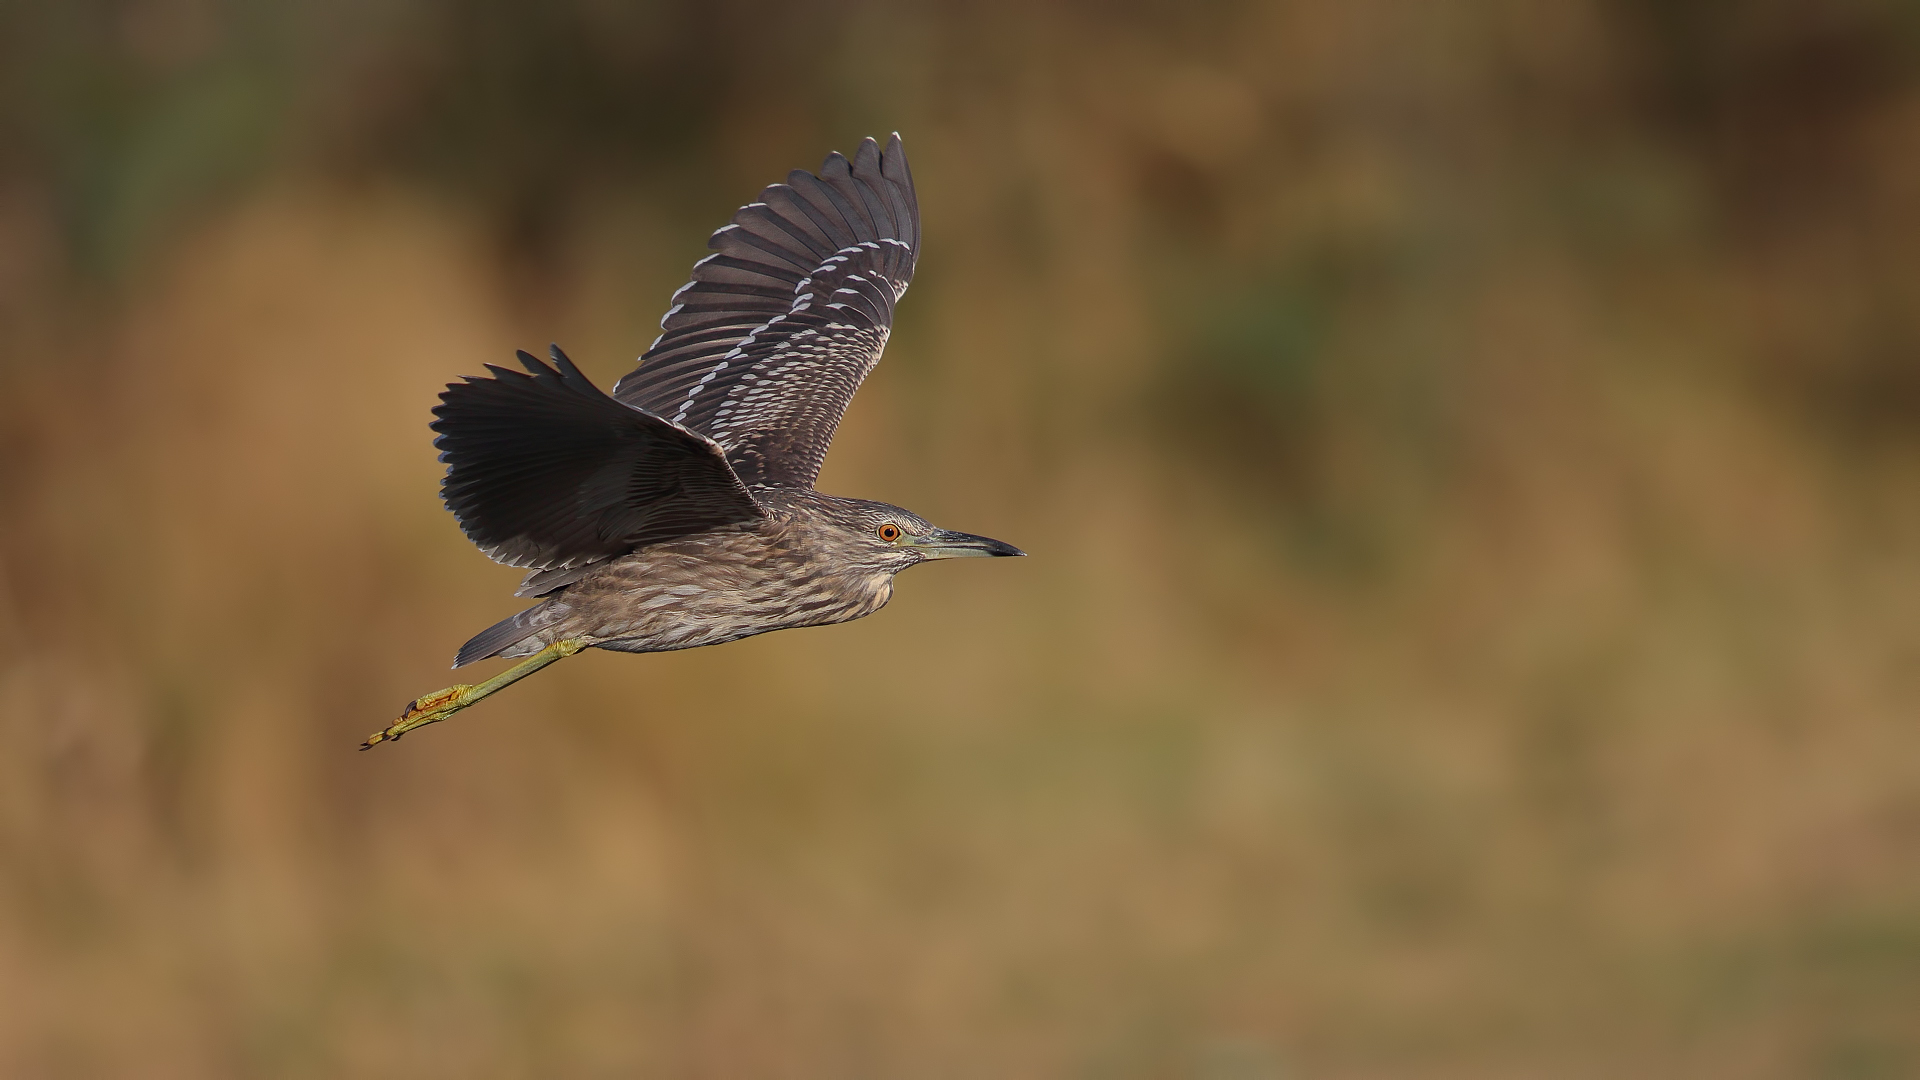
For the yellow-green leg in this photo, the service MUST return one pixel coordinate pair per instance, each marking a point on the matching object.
(437, 706)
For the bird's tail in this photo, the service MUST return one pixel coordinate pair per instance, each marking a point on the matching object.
(502, 636)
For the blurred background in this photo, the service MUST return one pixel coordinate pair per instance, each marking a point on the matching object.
(1469, 453)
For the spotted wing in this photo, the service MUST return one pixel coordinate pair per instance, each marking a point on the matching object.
(765, 347)
(545, 471)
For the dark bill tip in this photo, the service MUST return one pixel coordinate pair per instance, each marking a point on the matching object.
(998, 549)
(944, 544)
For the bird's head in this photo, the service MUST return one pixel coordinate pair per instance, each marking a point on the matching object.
(880, 536)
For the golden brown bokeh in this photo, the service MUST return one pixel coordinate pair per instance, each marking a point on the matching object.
(1470, 454)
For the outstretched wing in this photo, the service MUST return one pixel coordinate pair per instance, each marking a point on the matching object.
(765, 347)
(545, 471)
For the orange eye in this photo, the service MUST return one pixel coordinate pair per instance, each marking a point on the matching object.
(889, 532)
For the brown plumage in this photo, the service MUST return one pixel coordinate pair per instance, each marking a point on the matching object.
(679, 511)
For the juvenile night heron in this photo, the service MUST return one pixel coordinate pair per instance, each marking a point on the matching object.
(680, 511)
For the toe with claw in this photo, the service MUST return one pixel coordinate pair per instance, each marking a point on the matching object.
(421, 711)
(437, 706)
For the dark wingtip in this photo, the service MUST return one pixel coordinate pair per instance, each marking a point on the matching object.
(567, 368)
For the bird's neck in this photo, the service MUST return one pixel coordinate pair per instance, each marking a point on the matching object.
(818, 554)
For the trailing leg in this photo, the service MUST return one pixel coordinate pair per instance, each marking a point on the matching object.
(437, 706)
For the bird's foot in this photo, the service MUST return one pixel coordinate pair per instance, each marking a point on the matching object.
(441, 704)
(426, 709)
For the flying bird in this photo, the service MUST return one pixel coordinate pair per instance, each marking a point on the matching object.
(679, 511)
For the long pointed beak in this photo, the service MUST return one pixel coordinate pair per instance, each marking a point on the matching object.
(945, 544)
